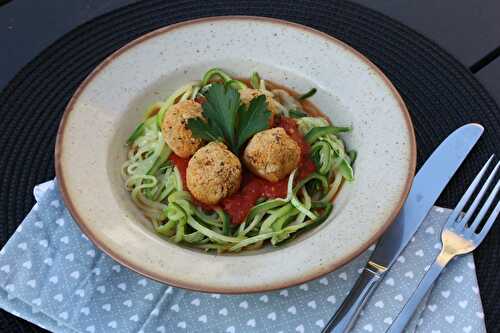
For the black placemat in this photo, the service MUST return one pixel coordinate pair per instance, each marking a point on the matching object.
(441, 95)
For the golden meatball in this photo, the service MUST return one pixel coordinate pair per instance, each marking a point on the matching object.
(175, 128)
(213, 173)
(272, 154)
(247, 94)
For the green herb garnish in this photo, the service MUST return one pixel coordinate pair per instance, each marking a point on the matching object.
(227, 120)
(308, 94)
(255, 80)
(295, 113)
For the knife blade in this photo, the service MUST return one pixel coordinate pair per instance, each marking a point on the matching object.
(428, 184)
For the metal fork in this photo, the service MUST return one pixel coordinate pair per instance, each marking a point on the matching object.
(458, 237)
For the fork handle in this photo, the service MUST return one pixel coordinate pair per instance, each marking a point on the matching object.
(410, 307)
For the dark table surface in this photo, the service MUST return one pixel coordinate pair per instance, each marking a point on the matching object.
(469, 31)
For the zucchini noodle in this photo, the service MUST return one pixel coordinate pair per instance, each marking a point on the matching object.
(156, 185)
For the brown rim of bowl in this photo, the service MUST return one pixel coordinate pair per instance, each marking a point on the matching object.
(199, 287)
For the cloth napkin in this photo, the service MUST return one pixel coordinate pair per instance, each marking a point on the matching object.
(53, 276)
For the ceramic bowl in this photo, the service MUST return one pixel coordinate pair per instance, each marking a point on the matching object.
(351, 91)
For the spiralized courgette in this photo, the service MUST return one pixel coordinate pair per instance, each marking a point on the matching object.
(156, 185)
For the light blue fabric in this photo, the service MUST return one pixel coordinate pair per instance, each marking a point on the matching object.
(52, 275)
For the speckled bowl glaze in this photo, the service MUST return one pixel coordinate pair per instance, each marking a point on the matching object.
(351, 91)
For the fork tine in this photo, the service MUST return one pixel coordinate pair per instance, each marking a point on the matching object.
(485, 208)
(489, 223)
(478, 198)
(461, 204)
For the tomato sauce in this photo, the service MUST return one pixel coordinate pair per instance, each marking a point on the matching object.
(252, 187)
(181, 164)
(306, 165)
(291, 128)
(200, 99)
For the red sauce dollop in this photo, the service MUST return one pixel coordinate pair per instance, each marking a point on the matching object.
(200, 99)
(252, 187)
(181, 164)
(292, 129)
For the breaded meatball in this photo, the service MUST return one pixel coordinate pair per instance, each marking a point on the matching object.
(213, 173)
(272, 154)
(247, 94)
(175, 129)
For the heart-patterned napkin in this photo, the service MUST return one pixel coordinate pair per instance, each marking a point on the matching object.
(53, 276)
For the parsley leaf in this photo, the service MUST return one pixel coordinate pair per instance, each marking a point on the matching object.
(221, 110)
(253, 120)
(205, 130)
(227, 120)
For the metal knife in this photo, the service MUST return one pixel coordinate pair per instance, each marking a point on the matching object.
(427, 185)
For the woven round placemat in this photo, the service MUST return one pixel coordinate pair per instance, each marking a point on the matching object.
(440, 93)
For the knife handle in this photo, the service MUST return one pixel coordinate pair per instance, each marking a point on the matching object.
(343, 320)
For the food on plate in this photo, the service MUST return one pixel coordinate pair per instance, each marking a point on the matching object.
(248, 94)
(272, 154)
(230, 165)
(175, 131)
(213, 173)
